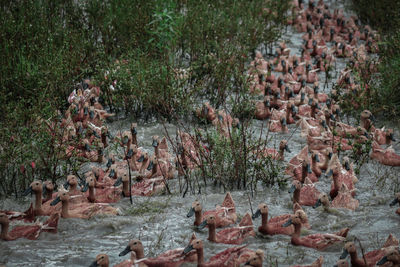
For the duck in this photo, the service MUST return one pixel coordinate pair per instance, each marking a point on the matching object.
(392, 255)
(233, 256)
(147, 187)
(160, 168)
(271, 152)
(101, 260)
(262, 110)
(343, 200)
(317, 263)
(315, 241)
(36, 187)
(206, 112)
(106, 195)
(170, 258)
(304, 171)
(224, 214)
(370, 258)
(72, 185)
(31, 231)
(274, 225)
(385, 156)
(384, 137)
(83, 210)
(48, 188)
(233, 235)
(339, 177)
(161, 148)
(278, 125)
(395, 201)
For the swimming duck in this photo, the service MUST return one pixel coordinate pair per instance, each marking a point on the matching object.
(232, 235)
(100, 261)
(317, 263)
(48, 188)
(147, 187)
(396, 200)
(274, 225)
(278, 125)
(36, 187)
(306, 194)
(263, 110)
(385, 156)
(392, 255)
(224, 214)
(83, 210)
(370, 258)
(170, 258)
(316, 241)
(342, 200)
(106, 195)
(384, 137)
(271, 152)
(230, 257)
(72, 185)
(31, 231)
(161, 148)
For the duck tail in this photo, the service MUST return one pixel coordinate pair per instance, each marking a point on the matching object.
(343, 232)
(391, 241)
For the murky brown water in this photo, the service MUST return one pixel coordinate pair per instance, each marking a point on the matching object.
(165, 226)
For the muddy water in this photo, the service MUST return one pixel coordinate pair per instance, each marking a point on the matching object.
(161, 223)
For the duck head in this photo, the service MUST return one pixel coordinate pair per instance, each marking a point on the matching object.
(195, 244)
(71, 181)
(262, 209)
(62, 195)
(256, 260)
(297, 218)
(296, 185)
(322, 200)
(34, 187)
(349, 248)
(196, 207)
(341, 263)
(143, 157)
(396, 200)
(48, 186)
(284, 146)
(134, 245)
(315, 156)
(4, 219)
(101, 261)
(366, 114)
(133, 128)
(125, 138)
(90, 182)
(156, 141)
(209, 220)
(392, 254)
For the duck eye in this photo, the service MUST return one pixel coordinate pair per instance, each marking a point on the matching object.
(135, 243)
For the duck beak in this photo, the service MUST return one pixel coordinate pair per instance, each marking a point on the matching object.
(112, 173)
(317, 204)
(330, 155)
(344, 254)
(141, 158)
(288, 149)
(151, 164)
(85, 111)
(205, 110)
(292, 189)
(382, 261)
(202, 225)
(155, 143)
(129, 154)
(85, 188)
(125, 140)
(330, 173)
(133, 130)
(284, 122)
(91, 114)
(94, 264)
(55, 201)
(109, 163)
(187, 249)
(87, 147)
(256, 214)
(278, 96)
(316, 158)
(118, 182)
(190, 213)
(310, 101)
(96, 134)
(27, 191)
(394, 202)
(66, 185)
(391, 137)
(288, 223)
(347, 166)
(80, 130)
(125, 251)
(309, 168)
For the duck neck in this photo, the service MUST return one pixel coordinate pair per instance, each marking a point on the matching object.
(64, 208)
(200, 256)
(296, 195)
(197, 217)
(139, 253)
(4, 230)
(145, 163)
(125, 188)
(38, 200)
(335, 180)
(303, 174)
(211, 233)
(73, 187)
(353, 256)
(281, 153)
(264, 220)
(100, 156)
(134, 139)
(297, 230)
(49, 195)
(157, 152)
(104, 139)
(91, 197)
